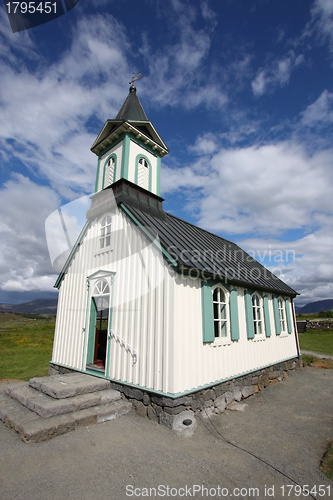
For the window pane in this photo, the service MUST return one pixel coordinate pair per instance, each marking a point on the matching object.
(216, 328)
(259, 328)
(223, 311)
(101, 241)
(215, 295)
(107, 241)
(223, 328)
(216, 311)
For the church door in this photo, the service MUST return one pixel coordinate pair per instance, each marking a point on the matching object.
(99, 326)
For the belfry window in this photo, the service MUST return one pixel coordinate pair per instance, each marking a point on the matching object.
(143, 173)
(105, 234)
(109, 172)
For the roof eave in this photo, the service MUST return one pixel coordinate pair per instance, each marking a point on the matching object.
(127, 127)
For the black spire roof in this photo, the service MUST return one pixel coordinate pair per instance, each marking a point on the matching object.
(132, 109)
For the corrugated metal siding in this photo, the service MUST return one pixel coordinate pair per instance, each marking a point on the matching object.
(141, 290)
(197, 364)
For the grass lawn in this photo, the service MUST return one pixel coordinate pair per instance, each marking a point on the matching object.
(320, 341)
(26, 345)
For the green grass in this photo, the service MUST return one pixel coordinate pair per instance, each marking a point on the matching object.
(26, 345)
(319, 315)
(327, 462)
(320, 341)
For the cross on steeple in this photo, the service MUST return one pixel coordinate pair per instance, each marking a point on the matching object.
(136, 77)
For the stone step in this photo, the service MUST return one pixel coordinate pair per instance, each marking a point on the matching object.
(68, 385)
(47, 406)
(32, 428)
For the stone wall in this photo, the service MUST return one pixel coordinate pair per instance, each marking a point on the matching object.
(319, 325)
(180, 414)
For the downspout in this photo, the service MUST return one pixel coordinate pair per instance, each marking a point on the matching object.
(299, 355)
(84, 329)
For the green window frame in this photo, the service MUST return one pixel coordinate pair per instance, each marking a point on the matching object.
(255, 315)
(276, 316)
(111, 178)
(288, 305)
(212, 316)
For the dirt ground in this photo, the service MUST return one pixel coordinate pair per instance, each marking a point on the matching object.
(285, 430)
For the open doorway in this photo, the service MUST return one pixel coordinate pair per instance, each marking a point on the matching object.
(99, 326)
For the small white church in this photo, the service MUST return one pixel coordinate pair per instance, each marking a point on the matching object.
(153, 303)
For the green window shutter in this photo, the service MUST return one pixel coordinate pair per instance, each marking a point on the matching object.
(249, 315)
(207, 313)
(289, 323)
(276, 316)
(92, 332)
(234, 323)
(266, 316)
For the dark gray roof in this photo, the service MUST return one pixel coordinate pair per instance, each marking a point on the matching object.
(210, 256)
(132, 109)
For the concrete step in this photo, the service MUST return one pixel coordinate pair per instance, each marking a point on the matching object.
(47, 406)
(33, 429)
(69, 385)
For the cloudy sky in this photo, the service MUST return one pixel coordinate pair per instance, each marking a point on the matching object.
(240, 91)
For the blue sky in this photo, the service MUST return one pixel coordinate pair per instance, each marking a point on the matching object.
(240, 91)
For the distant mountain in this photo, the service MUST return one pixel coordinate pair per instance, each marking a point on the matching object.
(38, 306)
(316, 307)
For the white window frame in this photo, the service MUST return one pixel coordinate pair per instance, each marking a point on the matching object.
(282, 316)
(105, 233)
(218, 320)
(258, 316)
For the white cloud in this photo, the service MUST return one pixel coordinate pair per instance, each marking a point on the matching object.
(179, 75)
(322, 13)
(262, 189)
(320, 111)
(25, 261)
(205, 145)
(277, 73)
(305, 264)
(45, 108)
(267, 190)
(259, 83)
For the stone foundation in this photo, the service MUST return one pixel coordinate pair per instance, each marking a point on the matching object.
(179, 414)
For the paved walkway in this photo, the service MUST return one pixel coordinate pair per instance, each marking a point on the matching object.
(288, 425)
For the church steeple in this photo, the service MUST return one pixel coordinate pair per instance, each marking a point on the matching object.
(132, 109)
(128, 147)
